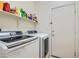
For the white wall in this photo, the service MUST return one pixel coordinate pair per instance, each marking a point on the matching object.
(10, 23)
(43, 13)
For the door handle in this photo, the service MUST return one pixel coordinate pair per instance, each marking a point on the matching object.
(52, 34)
(51, 22)
(53, 31)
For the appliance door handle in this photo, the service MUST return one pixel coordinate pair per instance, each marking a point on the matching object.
(15, 45)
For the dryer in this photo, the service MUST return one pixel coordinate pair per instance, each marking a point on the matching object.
(43, 42)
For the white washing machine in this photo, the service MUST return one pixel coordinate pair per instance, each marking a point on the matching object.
(43, 42)
(13, 44)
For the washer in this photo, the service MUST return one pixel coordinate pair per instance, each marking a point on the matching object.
(13, 44)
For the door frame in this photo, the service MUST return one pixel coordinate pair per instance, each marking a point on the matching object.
(51, 23)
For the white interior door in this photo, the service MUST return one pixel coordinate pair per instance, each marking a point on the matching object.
(63, 31)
